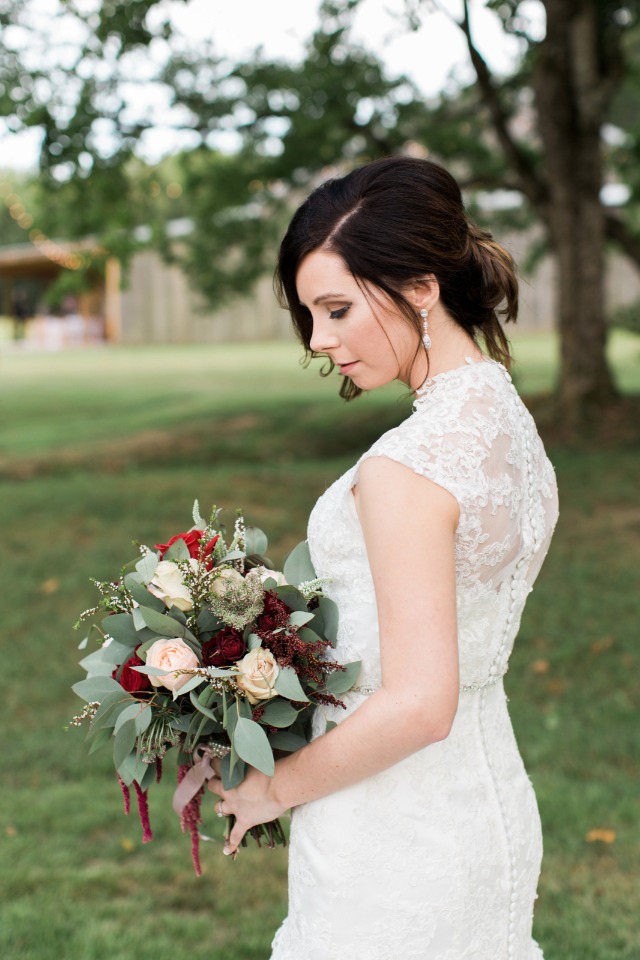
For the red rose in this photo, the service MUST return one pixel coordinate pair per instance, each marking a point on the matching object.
(192, 540)
(224, 649)
(131, 680)
(275, 613)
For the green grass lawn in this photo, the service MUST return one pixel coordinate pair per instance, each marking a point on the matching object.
(99, 447)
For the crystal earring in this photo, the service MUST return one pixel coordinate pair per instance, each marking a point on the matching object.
(426, 339)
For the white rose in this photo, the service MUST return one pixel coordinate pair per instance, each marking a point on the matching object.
(266, 574)
(225, 578)
(258, 672)
(168, 585)
(173, 654)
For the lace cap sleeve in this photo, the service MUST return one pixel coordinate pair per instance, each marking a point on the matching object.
(451, 439)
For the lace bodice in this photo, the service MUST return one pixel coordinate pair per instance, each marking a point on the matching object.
(471, 434)
(438, 856)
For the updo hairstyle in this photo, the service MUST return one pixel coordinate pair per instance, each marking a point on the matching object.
(392, 222)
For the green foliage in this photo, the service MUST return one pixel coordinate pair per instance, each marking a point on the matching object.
(627, 317)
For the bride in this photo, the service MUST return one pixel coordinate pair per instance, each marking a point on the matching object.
(415, 833)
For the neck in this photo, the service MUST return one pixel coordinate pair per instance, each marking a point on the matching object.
(450, 347)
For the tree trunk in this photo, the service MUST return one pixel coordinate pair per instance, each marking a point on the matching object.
(570, 100)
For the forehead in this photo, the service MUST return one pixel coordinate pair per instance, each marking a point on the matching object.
(322, 273)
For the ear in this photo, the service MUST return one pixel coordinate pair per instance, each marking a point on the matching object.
(423, 292)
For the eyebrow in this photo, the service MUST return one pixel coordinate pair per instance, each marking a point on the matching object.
(329, 296)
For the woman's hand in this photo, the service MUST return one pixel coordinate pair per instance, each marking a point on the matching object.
(251, 803)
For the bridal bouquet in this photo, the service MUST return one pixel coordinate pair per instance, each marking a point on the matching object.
(204, 647)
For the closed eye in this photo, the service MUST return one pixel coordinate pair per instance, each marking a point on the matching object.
(338, 314)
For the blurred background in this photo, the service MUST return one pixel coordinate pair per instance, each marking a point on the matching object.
(151, 153)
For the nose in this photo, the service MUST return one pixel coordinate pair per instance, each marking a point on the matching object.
(323, 336)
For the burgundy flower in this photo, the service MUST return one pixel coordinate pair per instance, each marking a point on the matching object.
(131, 680)
(275, 613)
(192, 540)
(224, 649)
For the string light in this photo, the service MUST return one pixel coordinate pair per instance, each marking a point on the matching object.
(49, 248)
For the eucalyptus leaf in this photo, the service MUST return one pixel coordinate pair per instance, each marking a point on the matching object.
(285, 740)
(299, 617)
(233, 759)
(308, 635)
(329, 612)
(143, 718)
(191, 684)
(208, 622)
(298, 567)
(232, 555)
(278, 713)
(181, 723)
(132, 768)
(251, 743)
(292, 597)
(160, 622)
(124, 742)
(110, 708)
(96, 688)
(202, 707)
(121, 627)
(255, 540)
(141, 595)
(148, 777)
(130, 713)
(288, 685)
(146, 566)
(177, 614)
(343, 680)
(83, 643)
(231, 779)
(116, 653)
(253, 641)
(177, 551)
(101, 739)
(244, 708)
(152, 671)
(95, 664)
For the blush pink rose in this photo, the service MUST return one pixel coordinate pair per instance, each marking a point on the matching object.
(172, 654)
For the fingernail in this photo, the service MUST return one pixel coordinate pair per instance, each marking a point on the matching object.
(226, 851)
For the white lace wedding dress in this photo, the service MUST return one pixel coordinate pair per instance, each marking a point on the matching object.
(437, 857)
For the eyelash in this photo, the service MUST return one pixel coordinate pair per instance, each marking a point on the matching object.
(339, 314)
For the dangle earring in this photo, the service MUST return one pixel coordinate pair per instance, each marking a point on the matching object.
(426, 339)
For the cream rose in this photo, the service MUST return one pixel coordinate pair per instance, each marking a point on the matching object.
(258, 672)
(266, 574)
(168, 585)
(226, 578)
(172, 654)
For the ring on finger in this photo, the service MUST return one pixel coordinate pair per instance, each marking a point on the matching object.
(219, 808)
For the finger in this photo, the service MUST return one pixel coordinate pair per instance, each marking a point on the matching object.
(216, 764)
(235, 839)
(215, 785)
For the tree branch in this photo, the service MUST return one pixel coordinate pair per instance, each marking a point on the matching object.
(618, 231)
(529, 182)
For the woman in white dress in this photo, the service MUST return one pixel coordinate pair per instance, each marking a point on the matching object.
(415, 833)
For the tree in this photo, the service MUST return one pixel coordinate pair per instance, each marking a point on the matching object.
(574, 71)
(294, 124)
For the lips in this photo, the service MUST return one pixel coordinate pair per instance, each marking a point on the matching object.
(347, 367)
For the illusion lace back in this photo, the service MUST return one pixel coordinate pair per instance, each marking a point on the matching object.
(437, 857)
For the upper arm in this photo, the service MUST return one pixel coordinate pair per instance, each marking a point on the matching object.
(409, 523)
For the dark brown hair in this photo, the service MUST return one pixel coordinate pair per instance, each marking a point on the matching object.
(392, 222)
